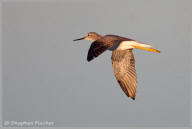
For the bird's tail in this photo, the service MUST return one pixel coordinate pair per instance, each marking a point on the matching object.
(138, 45)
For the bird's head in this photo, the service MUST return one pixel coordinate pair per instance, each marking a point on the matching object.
(92, 36)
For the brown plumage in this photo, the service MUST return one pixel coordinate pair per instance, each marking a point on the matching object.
(122, 58)
(124, 69)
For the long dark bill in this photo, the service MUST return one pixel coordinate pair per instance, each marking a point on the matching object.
(79, 39)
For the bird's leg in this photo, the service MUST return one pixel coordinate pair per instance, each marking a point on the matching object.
(147, 49)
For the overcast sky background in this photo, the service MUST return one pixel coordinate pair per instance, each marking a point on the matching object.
(46, 76)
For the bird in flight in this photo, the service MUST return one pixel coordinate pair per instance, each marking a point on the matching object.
(122, 58)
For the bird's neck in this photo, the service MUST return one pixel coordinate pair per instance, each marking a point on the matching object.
(97, 37)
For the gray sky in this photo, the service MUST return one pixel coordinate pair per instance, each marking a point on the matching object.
(46, 76)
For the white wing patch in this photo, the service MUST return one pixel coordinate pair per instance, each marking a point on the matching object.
(130, 44)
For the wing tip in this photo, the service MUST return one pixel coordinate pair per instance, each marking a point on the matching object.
(133, 98)
(89, 58)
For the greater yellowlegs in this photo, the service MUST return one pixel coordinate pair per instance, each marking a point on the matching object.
(122, 58)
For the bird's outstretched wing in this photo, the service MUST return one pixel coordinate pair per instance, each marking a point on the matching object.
(123, 63)
(97, 48)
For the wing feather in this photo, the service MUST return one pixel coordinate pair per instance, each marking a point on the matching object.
(123, 63)
(97, 48)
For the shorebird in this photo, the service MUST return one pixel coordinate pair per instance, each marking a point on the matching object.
(122, 58)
